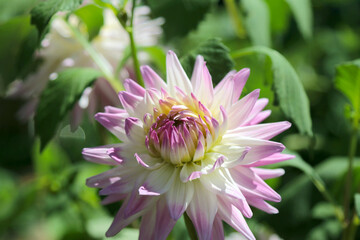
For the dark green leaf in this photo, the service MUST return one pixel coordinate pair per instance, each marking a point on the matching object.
(303, 15)
(348, 82)
(288, 87)
(357, 204)
(92, 17)
(42, 13)
(217, 58)
(181, 16)
(257, 21)
(58, 98)
(17, 45)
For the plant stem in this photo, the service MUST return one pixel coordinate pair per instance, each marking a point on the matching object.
(235, 17)
(99, 60)
(190, 227)
(130, 31)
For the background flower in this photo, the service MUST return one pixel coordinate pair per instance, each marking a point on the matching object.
(187, 146)
(61, 50)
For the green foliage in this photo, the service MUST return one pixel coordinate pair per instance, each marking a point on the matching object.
(189, 12)
(17, 45)
(357, 203)
(279, 15)
(217, 58)
(303, 15)
(257, 21)
(14, 8)
(288, 88)
(42, 13)
(348, 82)
(58, 98)
(92, 16)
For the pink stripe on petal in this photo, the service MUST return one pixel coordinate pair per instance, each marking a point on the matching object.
(240, 111)
(263, 131)
(113, 198)
(164, 223)
(240, 79)
(114, 122)
(129, 101)
(147, 226)
(260, 117)
(202, 210)
(202, 82)
(230, 214)
(111, 109)
(218, 229)
(274, 158)
(134, 129)
(134, 88)
(175, 74)
(228, 77)
(262, 205)
(268, 173)
(151, 79)
(178, 198)
(99, 155)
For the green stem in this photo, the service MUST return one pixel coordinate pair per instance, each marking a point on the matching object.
(190, 227)
(236, 18)
(99, 59)
(130, 31)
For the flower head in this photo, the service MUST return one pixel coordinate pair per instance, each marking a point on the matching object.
(186, 146)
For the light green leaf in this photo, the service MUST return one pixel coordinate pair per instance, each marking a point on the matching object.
(58, 98)
(348, 82)
(214, 52)
(257, 21)
(288, 87)
(42, 13)
(323, 210)
(279, 15)
(189, 12)
(92, 16)
(303, 15)
(357, 203)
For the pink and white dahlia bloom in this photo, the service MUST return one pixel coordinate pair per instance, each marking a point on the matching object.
(188, 147)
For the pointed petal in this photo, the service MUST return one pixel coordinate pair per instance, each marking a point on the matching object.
(240, 111)
(175, 74)
(159, 181)
(268, 173)
(134, 88)
(274, 158)
(218, 229)
(164, 223)
(147, 226)
(202, 211)
(114, 122)
(262, 205)
(232, 215)
(178, 198)
(263, 131)
(202, 82)
(151, 79)
(99, 155)
(240, 79)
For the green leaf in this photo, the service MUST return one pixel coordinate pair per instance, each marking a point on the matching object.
(42, 13)
(357, 203)
(348, 82)
(288, 87)
(17, 45)
(217, 58)
(257, 21)
(58, 98)
(303, 15)
(92, 17)
(181, 16)
(14, 8)
(279, 15)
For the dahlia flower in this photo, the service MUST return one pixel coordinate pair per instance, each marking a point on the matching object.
(61, 50)
(185, 146)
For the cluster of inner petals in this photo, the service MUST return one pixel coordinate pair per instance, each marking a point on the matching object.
(179, 131)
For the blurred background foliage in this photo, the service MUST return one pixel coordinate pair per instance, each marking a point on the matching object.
(43, 195)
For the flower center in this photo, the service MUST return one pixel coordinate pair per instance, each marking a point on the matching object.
(175, 136)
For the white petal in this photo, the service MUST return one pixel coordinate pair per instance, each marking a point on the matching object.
(175, 75)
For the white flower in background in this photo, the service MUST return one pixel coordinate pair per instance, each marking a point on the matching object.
(60, 50)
